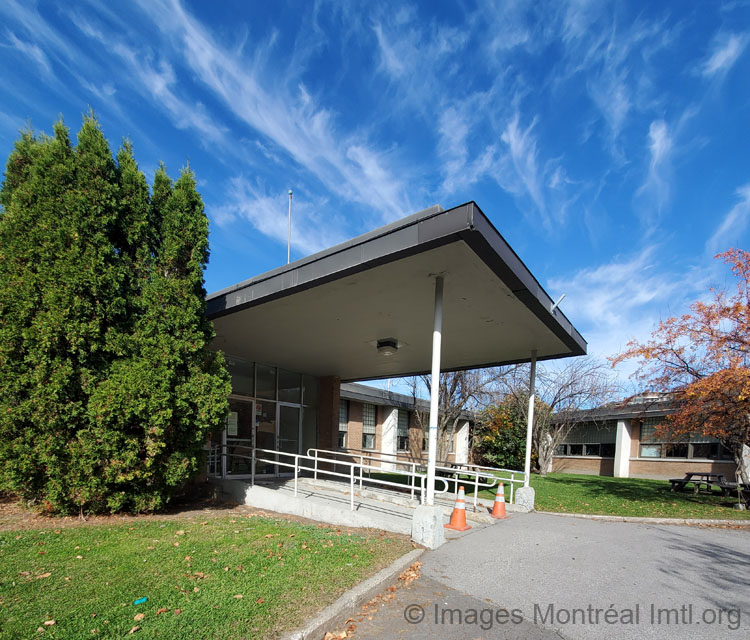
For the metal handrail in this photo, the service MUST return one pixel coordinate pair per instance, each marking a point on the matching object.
(481, 479)
(217, 450)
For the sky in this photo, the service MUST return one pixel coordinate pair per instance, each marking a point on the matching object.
(608, 142)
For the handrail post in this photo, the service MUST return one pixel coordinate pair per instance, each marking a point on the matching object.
(512, 483)
(476, 489)
(361, 465)
(315, 474)
(351, 487)
(252, 469)
(296, 467)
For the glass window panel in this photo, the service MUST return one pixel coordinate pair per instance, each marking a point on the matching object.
(679, 450)
(648, 429)
(650, 451)
(575, 449)
(403, 443)
(289, 424)
(344, 415)
(403, 423)
(290, 387)
(369, 420)
(607, 450)
(704, 450)
(266, 387)
(368, 440)
(561, 450)
(243, 377)
(591, 449)
(342, 439)
(310, 391)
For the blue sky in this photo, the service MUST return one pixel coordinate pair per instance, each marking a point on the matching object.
(607, 141)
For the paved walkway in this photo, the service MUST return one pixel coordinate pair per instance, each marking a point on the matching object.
(569, 578)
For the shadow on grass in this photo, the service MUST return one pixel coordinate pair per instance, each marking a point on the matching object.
(628, 489)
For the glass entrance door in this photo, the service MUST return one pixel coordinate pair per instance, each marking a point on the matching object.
(288, 424)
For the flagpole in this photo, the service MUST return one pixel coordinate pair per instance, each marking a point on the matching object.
(289, 233)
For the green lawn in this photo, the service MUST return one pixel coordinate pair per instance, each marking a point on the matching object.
(225, 577)
(572, 493)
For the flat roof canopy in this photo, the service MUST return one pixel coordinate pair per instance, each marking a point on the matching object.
(323, 315)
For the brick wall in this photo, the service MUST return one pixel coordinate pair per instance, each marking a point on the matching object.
(664, 468)
(593, 466)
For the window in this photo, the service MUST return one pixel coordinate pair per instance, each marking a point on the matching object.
(650, 451)
(608, 450)
(561, 450)
(710, 451)
(575, 449)
(451, 442)
(343, 423)
(368, 426)
(678, 450)
(402, 435)
(425, 440)
(592, 449)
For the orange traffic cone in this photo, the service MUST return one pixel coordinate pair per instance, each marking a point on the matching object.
(498, 509)
(458, 517)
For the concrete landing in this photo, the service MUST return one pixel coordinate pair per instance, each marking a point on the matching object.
(329, 502)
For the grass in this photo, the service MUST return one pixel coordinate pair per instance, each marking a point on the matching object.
(601, 495)
(226, 577)
(572, 493)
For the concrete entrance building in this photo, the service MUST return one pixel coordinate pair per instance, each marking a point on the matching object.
(436, 291)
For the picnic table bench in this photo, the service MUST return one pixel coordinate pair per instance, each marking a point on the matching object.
(698, 479)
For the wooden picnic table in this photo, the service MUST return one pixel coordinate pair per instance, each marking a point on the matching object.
(699, 478)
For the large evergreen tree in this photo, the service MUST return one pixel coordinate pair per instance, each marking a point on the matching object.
(107, 386)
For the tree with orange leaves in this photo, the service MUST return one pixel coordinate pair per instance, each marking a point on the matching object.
(703, 359)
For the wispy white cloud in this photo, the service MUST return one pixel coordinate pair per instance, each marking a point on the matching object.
(654, 192)
(312, 226)
(30, 50)
(522, 153)
(727, 48)
(734, 228)
(623, 299)
(345, 163)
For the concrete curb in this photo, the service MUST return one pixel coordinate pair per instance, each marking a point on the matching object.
(641, 520)
(350, 600)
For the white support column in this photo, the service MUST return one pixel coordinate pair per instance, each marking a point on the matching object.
(388, 437)
(530, 418)
(622, 449)
(437, 333)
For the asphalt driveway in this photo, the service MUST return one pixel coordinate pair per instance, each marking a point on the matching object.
(538, 575)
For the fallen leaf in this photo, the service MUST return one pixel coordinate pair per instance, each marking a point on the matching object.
(268, 535)
(179, 533)
(238, 596)
(44, 575)
(188, 558)
(79, 557)
(260, 601)
(162, 610)
(176, 544)
(177, 612)
(49, 623)
(202, 523)
(139, 616)
(133, 630)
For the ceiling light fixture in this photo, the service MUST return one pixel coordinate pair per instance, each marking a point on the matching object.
(387, 346)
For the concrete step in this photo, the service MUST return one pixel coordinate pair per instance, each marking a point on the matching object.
(328, 502)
